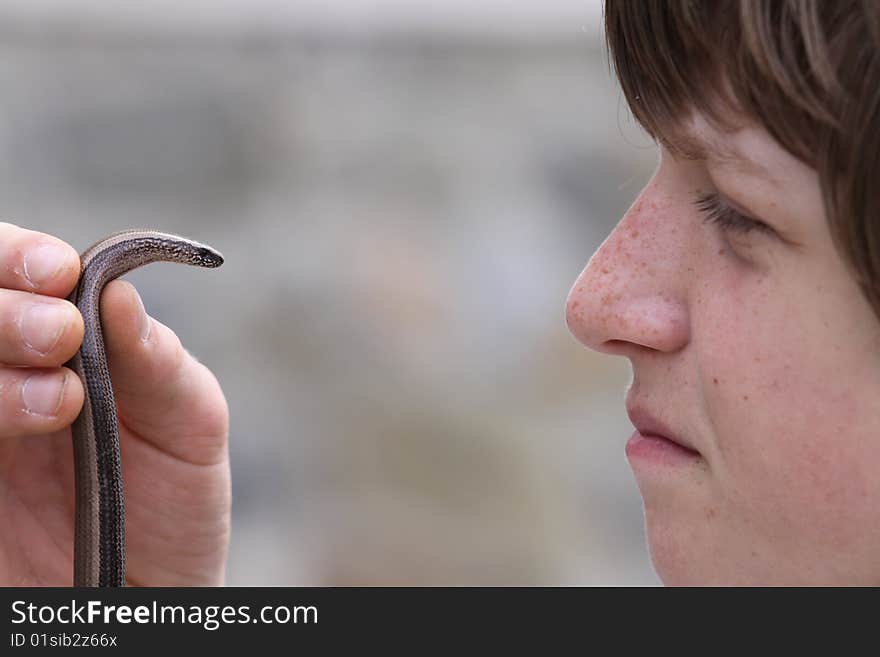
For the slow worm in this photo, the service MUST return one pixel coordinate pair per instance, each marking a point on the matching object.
(99, 538)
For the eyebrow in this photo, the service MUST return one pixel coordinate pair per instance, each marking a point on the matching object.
(705, 149)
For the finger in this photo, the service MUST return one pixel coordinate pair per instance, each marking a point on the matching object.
(34, 401)
(36, 262)
(163, 393)
(38, 330)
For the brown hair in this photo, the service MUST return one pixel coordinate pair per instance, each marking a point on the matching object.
(808, 71)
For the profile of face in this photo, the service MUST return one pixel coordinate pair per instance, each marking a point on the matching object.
(755, 353)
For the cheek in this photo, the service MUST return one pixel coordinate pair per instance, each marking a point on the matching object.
(790, 411)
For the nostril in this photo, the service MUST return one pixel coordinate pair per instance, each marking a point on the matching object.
(616, 346)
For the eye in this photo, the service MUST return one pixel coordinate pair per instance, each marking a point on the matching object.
(718, 212)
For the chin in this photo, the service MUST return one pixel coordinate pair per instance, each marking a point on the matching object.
(692, 554)
(682, 540)
(674, 568)
(684, 551)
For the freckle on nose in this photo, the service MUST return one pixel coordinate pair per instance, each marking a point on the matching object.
(715, 381)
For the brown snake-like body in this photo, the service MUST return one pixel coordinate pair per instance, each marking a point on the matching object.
(99, 539)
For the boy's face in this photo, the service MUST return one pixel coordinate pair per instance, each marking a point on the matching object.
(759, 352)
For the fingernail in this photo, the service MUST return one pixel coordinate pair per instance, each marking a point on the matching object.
(42, 393)
(42, 324)
(43, 263)
(144, 322)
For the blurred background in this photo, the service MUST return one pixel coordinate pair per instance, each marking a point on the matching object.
(404, 191)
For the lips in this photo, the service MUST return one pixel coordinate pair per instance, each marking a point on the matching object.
(652, 429)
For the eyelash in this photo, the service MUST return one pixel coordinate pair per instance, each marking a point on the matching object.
(716, 211)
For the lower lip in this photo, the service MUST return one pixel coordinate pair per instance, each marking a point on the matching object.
(658, 450)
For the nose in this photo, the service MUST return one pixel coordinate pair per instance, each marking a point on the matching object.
(633, 291)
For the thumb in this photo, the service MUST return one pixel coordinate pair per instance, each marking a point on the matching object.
(163, 394)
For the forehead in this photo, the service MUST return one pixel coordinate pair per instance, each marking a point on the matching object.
(745, 148)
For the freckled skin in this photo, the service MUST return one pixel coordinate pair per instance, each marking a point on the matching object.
(765, 357)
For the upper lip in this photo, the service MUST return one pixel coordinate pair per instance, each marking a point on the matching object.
(647, 424)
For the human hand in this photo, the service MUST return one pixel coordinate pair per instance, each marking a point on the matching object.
(173, 428)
